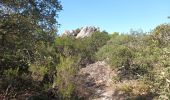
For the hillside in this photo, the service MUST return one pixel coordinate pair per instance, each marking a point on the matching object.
(85, 63)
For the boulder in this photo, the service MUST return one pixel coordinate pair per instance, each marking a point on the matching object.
(82, 32)
(100, 72)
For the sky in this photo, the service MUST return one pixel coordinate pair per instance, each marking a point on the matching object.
(114, 15)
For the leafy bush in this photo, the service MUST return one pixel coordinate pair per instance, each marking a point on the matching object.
(134, 88)
(38, 71)
(97, 40)
(10, 74)
(143, 57)
(66, 71)
(118, 54)
(84, 48)
(161, 34)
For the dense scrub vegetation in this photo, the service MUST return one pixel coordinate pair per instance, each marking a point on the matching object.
(36, 63)
(141, 57)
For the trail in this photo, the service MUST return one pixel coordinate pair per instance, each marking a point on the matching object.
(105, 93)
(102, 75)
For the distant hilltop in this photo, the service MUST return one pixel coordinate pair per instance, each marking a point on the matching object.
(81, 32)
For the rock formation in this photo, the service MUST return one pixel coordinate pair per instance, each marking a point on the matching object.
(82, 32)
(99, 77)
(101, 74)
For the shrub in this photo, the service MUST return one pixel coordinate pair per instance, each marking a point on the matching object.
(162, 34)
(117, 53)
(84, 48)
(134, 87)
(11, 72)
(66, 71)
(38, 71)
(97, 40)
(130, 55)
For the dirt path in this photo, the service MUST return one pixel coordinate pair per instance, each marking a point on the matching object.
(99, 77)
(105, 93)
(102, 75)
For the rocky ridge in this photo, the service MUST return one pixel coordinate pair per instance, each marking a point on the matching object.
(82, 32)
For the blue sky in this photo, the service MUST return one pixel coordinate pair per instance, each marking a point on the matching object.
(114, 15)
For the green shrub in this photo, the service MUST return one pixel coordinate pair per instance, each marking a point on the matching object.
(134, 87)
(116, 52)
(38, 71)
(161, 34)
(66, 71)
(131, 55)
(11, 73)
(97, 40)
(84, 48)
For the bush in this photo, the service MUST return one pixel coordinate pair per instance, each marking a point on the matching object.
(117, 53)
(161, 34)
(131, 55)
(11, 73)
(134, 88)
(66, 71)
(97, 40)
(84, 48)
(38, 72)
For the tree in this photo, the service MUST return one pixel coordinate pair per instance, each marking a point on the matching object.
(29, 23)
(40, 13)
(27, 32)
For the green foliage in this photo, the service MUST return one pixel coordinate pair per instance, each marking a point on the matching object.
(10, 74)
(143, 57)
(161, 83)
(26, 25)
(32, 58)
(93, 43)
(24, 28)
(66, 70)
(116, 52)
(130, 54)
(161, 34)
(42, 13)
(38, 71)
(134, 88)
(83, 48)
(27, 33)
(97, 40)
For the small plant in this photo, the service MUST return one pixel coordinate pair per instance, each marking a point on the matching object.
(126, 88)
(134, 88)
(66, 71)
(11, 73)
(38, 72)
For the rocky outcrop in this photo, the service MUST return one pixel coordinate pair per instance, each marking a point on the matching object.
(99, 77)
(71, 32)
(86, 32)
(82, 32)
(100, 72)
